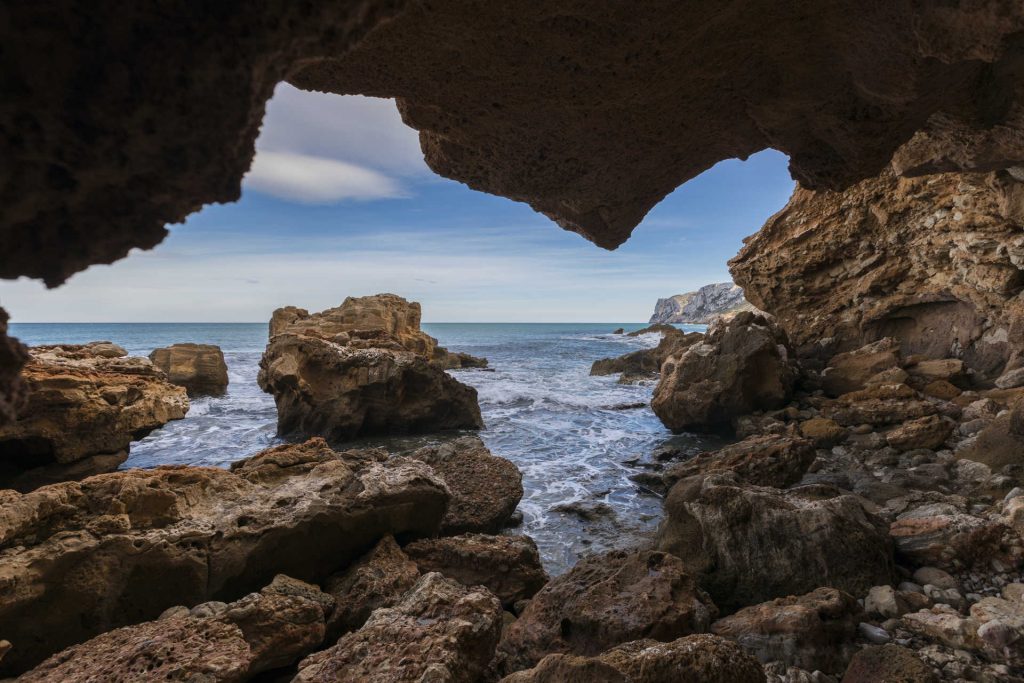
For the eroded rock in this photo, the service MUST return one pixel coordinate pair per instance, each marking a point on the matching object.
(646, 363)
(770, 460)
(200, 368)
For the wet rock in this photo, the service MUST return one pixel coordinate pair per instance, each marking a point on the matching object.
(588, 511)
(772, 460)
(440, 631)
(692, 659)
(851, 371)
(200, 368)
(77, 559)
(604, 601)
(740, 366)
(85, 405)
(361, 368)
(888, 664)
(485, 489)
(811, 631)
(456, 360)
(259, 632)
(925, 432)
(378, 579)
(646, 363)
(823, 432)
(749, 544)
(508, 566)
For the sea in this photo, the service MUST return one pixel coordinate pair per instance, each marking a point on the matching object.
(577, 439)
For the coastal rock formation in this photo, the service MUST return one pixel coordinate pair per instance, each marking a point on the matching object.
(440, 631)
(13, 355)
(936, 263)
(80, 558)
(85, 405)
(707, 304)
(200, 368)
(888, 663)
(211, 642)
(362, 368)
(646, 363)
(604, 601)
(699, 658)
(741, 365)
(748, 544)
(765, 460)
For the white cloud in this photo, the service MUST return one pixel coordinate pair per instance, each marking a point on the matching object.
(316, 180)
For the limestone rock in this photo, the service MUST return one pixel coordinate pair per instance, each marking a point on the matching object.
(770, 460)
(740, 366)
(888, 664)
(749, 544)
(812, 631)
(485, 489)
(699, 658)
(707, 304)
(200, 368)
(925, 432)
(604, 601)
(262, 631)
(1000, 443)
(851, 371)
(77, 559)
(85, 405)
(943, 536)
(362, 368)
(13, 355)
(508, 566)
(824, 432)
(880, 405)
(646, 363)
(440, 631)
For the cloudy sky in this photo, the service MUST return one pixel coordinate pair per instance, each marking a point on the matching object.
(339, 202)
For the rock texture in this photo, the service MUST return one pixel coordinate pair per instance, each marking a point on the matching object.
(765, 460)
(440, 631)
(77, 559)
(362, 368)
(936, 263)
(85, 405)
(740, 366)
(646, 363)
(13, 355)
(214, 642)
(200, 368)
(604, 601)
(707, 304)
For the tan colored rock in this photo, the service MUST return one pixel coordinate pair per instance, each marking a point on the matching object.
(814, 631)
(508, 566)
(646, 363)
(879, 405)
(742, 365)
(77, 559)
(945, 625)
(604, 601)
(262, 631)
(485, 488)
(362, 368)
(200, 368)
(951, 370)
(888, 664)
(925, 432)
(13, 355)
(823, 432)
(770, 460)
(944, 537)
(941, 389)
(85, 405)
(853, 370)
(749, 544)
(440, 631)
(999, 444)
(699, 658)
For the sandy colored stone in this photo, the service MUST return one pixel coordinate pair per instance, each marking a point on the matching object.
(200, 368)
(768, 460)
(853, 370)
(925, 432)
(824, 432)
(888, 664)
(646, 363)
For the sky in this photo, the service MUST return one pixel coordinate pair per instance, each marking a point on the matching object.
(339, 202)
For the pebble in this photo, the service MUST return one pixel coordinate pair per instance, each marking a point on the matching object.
(874, 634)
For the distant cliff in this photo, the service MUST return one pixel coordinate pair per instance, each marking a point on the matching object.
(703, 306)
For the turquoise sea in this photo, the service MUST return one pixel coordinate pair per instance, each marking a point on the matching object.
(576, 438)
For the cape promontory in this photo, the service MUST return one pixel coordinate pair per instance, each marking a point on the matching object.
(703, 306)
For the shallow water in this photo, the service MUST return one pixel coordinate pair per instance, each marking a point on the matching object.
(568, 432)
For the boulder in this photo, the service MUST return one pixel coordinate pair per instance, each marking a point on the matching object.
(1001, 442)
(749, 544)
(485, 489)
(742, 365)
(880, 405)
(508, 566)
(888, 664)
(852, 371)
(823, 432)
(945, 536)
(362, 368)
(80, 558)
(646, 363)
(234, 642)
(815, 631)
(928, 432)
(701, 658)
(604, 601)
(769, 460)
(200, 368)
(85, 405)
(440, 631)
(378, 579)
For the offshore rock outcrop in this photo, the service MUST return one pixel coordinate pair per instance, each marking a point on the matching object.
(362, 368)
(936, 263)
(85, 404)
(80, 558)
(644, 364)
(703, 306)
(200, 368)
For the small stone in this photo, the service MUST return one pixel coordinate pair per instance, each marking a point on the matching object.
(874, 634)
(934, 576)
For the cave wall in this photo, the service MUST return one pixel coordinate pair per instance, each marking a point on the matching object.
(936, 262)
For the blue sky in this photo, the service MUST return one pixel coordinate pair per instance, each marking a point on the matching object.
(339, 202)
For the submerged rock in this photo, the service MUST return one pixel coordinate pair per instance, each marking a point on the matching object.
(85, 405)
(77, 559)
(439, 631)
(200, 368)
(362, 368)
(740, 366)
